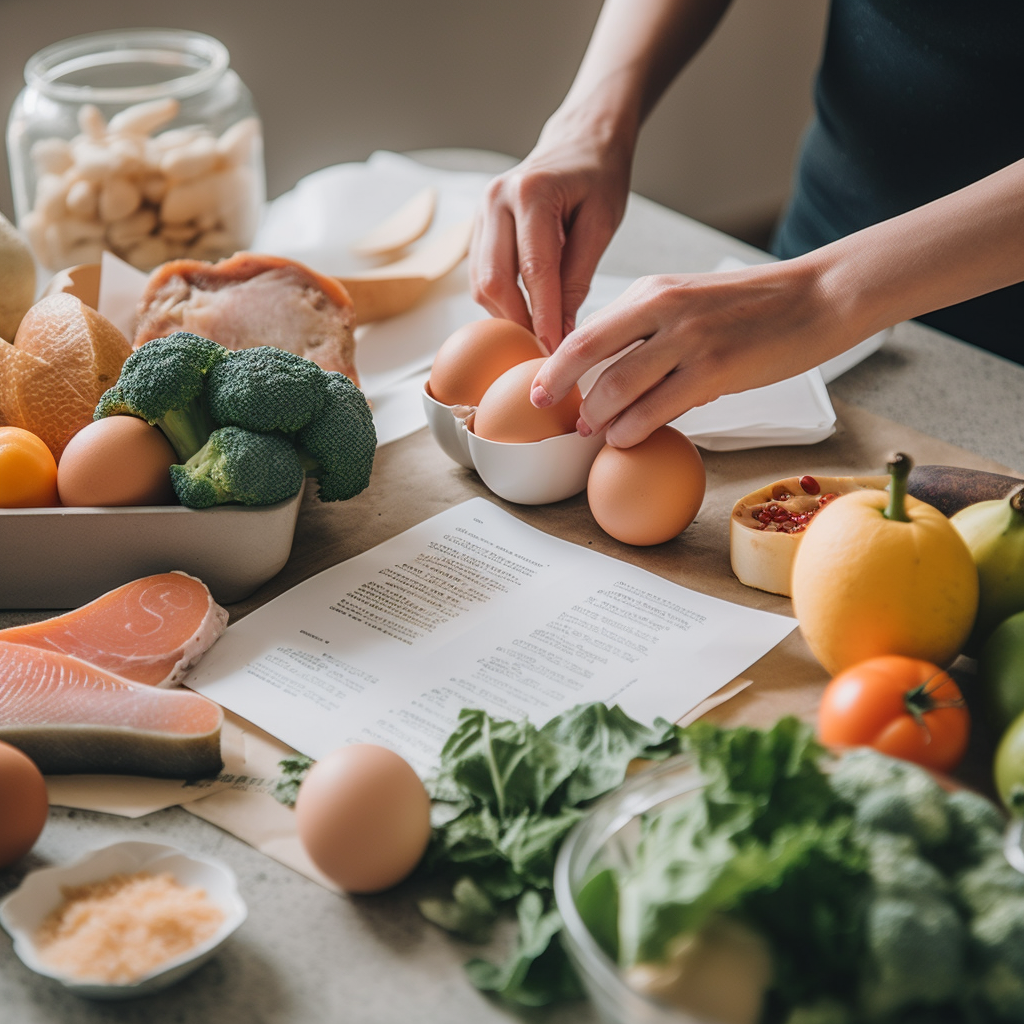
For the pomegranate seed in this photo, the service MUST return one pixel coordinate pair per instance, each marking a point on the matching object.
(810, 485)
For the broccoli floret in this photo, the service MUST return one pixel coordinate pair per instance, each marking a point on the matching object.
(898, 870)
(915, 953)
(239, 465)
(863, 770)
(989, 884)
(977, 825)
(266, 388)
(914, 806)
(337, 447)
(162, 382)
(997, 944)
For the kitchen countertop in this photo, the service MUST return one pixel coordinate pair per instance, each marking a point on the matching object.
(305, 955)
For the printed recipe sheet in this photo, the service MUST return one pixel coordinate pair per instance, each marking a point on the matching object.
(474, 608)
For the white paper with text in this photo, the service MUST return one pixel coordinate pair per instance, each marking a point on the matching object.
(474, 608)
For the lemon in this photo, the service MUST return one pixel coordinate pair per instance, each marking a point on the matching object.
(880, 573)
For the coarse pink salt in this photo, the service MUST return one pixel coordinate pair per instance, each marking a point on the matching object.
(120, 928)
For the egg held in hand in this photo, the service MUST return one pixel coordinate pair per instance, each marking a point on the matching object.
(115, 461)
(363, 816)
(475, 356)
(649, 493)
(23, 804)
(506, 414)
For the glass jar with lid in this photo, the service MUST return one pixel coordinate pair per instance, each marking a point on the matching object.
(142, 142)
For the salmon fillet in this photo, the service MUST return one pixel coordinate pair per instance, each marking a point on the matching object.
(150, 631)
(71, 718)
(249, 300)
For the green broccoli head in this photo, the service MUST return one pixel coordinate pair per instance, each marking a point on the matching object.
(913, 805)
(337, 447)
(915, 952)
(997, 945)
(237, 465)
(266, 388)
(163, 383)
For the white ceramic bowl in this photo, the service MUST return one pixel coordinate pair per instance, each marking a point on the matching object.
(25, 909)
(528, 474)
(65, 557)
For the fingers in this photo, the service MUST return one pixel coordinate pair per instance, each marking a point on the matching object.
(539, 239)
(604, 335)
(587, 240)
(493, 266)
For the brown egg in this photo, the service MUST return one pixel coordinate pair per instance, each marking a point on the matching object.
(649, 493)
(119, 460)
(23, 804)
(475, 356)
(506, 414)
(363, 817)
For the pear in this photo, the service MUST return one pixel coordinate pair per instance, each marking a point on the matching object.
(17, 279)
(994, 532)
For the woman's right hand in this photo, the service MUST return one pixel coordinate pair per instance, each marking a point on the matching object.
(549, 219)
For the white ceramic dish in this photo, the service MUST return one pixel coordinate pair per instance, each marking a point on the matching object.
(65, 557)
(528, 474)
(40, 893)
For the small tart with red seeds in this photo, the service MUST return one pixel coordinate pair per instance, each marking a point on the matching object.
(766, 525)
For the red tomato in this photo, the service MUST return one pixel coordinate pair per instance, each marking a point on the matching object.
(901, 706)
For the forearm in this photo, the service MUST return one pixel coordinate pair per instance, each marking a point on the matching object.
(637, 48)
(950, 250)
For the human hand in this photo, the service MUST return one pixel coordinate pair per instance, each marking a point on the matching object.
(549, 219)
(701, 336)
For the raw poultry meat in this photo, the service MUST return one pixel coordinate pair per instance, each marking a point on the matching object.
(252, 299)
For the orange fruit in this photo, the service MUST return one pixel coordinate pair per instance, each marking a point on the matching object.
(864, 585)
(28, 471)
(64, 356)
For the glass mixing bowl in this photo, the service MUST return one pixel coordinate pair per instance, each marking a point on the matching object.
(607, 838)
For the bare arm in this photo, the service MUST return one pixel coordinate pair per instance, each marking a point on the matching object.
(714, 334)
(551, 217)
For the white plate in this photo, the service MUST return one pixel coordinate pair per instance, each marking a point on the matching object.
(26, 908)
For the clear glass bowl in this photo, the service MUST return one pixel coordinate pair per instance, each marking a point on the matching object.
(142, 142)
(607, 838)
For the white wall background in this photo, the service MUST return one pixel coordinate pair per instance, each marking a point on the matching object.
(336, 79)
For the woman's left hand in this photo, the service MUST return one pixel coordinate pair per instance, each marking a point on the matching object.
(701, 336)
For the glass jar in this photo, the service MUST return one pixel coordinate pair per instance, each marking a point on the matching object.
(142, 142)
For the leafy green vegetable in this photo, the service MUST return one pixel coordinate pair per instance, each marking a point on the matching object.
(293, 771)
(505, 796)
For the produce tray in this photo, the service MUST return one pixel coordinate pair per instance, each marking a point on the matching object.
(64, 557)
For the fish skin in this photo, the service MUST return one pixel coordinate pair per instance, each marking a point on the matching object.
(71, 717)
(173, 607)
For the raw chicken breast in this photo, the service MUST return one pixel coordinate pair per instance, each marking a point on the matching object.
(251, 299)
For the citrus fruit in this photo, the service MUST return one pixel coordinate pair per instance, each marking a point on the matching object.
(28, 470)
